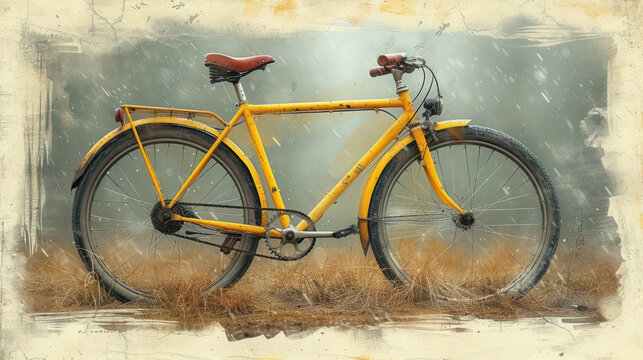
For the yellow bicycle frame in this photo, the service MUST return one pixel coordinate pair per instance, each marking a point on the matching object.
(247, 111)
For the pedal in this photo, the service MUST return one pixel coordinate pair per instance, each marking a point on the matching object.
(229, 242)
(345, 232)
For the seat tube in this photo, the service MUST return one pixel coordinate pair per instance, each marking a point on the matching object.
(265, 166)
(261, 153)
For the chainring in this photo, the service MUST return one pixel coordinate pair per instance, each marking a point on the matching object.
(290, 249)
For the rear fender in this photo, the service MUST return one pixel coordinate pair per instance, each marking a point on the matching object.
(367, 194)
(107, 139)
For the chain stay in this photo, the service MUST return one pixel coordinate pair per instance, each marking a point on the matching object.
(279, 212)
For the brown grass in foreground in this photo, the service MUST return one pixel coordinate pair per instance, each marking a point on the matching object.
(342, 290)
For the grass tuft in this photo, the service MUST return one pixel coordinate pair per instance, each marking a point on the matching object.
(342, 290)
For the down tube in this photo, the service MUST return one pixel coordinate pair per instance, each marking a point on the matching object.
(353, 173)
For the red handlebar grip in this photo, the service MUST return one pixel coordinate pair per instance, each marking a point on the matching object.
(379, 71)
(390, 59)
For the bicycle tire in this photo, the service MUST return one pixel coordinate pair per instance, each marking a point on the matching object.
(451, 281)
(133, 197)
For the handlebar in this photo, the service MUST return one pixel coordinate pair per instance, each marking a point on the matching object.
(379, 71)
(390, 59)
(398, 61)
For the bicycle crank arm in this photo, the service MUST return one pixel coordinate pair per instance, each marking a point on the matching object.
(313, 234)
(293, 233)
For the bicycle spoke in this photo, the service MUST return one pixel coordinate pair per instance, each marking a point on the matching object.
(202, 174)
(128, 181)
(504, 237)
(455, 232)
(118, 202)
(126, 194)
(510, 235)
(181, 171)
(223, 193)
(487, 179)
(227, 201)
(500, 244)
(489, 256)
(145, 172)
(131, 248)
(416, 200)
(114, 219)
(212, 188)
(128, 240)
(466, 157)
(411, 218)
(475, 182)
(487, 206)
(421, 178)
(513, 209)
(503, 185)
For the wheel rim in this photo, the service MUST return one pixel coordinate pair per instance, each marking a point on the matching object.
(431, 248)
(142, 256)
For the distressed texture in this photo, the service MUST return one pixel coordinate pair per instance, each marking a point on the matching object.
(100, 26)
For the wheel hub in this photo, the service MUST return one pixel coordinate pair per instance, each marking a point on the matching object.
(162, 217)
(464, 221)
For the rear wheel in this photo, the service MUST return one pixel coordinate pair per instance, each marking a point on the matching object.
(118, 221)
(505, 242)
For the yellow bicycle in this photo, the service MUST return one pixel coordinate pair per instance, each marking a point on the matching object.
(166, 198)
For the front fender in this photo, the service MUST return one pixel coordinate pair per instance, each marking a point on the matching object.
(377, 172)
(172, 120)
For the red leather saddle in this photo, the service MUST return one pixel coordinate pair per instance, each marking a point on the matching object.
(226, 68)
(239, 65)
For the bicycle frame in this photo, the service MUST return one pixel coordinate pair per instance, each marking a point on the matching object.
(247, 111)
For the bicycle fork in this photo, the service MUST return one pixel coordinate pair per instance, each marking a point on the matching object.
(429, 168)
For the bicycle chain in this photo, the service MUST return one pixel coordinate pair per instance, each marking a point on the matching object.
(303, 216)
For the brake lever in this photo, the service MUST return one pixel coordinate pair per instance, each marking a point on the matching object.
(410, 63)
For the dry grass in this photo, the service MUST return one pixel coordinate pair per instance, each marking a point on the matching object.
(57, 281)
(342, 290)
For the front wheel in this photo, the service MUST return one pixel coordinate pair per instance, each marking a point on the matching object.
(502, 246)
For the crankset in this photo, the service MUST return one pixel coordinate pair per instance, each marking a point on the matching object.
(292, 245)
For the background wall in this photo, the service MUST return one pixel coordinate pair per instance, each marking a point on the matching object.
(542, 94)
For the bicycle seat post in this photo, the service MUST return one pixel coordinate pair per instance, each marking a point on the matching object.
(240, 94)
